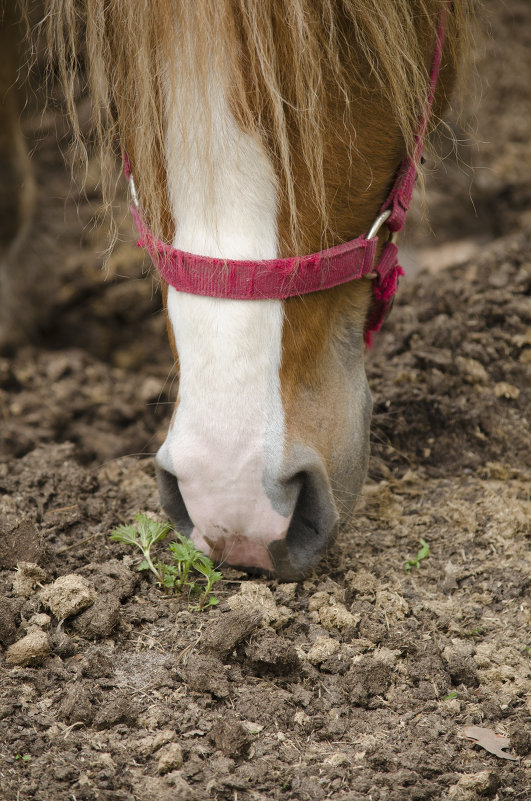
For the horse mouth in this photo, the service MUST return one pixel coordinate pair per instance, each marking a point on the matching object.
(290, 556)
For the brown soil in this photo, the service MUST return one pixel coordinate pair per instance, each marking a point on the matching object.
(356, 683)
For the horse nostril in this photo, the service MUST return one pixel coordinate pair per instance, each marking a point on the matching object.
(312, 529)
(172, 500)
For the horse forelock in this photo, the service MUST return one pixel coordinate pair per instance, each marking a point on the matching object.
(300, 76)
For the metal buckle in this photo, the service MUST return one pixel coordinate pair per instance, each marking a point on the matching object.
(377, 224)
(134, 196)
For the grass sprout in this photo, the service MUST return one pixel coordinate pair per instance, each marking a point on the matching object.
(450, 696)
(423, 553)
(186, 561)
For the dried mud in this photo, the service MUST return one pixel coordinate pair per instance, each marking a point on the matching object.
(356, 683)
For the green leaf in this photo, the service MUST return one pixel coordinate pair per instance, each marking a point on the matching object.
(204, 560)
(125, 534)
(423, 553)
(144, 565)
(208, 571)
(213, 601)
(150, 531)
(450, 696)
(178, 552)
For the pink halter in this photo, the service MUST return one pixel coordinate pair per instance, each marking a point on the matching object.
(300, 275)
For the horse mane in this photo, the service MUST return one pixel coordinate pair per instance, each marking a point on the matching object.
(282, 64)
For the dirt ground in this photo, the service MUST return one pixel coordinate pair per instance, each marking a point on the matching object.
(356, 683)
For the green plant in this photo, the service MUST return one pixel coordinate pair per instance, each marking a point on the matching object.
(144, 536)
(206, 568)
(475, 632)
(186, 560)
(423, 553)
(450, 696)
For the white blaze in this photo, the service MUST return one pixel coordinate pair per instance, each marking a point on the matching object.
(228, 431)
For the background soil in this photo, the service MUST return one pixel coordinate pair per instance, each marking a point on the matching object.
(356, 683)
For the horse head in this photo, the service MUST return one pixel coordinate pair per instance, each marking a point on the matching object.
(258, 133)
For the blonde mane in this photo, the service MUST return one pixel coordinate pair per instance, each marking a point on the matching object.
(287, 67)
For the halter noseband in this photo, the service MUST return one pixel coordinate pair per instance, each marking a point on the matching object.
(300, 275)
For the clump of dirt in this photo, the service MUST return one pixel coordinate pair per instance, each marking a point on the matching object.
(356, 683)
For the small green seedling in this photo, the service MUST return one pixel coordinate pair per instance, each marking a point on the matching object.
(450, 696)
(475, 632)
(23, 757)
(423, 553)
(186, 559)
(206, 568)
(144, 535)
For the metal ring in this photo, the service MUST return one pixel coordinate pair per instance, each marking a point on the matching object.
(377, 224)
(132, 189)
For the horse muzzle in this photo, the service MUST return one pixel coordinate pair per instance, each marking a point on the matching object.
(283, 528)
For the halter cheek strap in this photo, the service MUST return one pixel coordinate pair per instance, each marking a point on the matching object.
(291, 277)
(399, 198)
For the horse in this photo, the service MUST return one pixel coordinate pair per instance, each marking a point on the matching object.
(256, 133)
